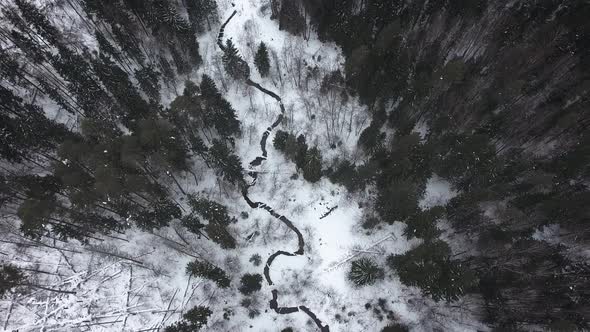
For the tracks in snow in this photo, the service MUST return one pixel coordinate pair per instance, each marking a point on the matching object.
(260, 205)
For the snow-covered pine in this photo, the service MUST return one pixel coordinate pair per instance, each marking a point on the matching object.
(364, 271)
(233, 63)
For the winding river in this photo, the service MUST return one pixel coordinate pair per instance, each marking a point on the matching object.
(260, 205)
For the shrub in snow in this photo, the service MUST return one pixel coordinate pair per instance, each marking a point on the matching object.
(250, 283)
(256, 259)
(208, 271)
(364, 272)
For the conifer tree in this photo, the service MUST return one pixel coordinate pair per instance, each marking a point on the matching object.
(210, 210)
(219, 234)
(82, 82)
(10, 278)
(280, 140)
(218, 112)
(364, 271)
(429, 267)
(300, 155)
(148, 78)
(193, 320)
(395, 328)
(226, 163)
(397, 201)
(25, 129)
(422, 224)
(208, 271)
(250, 283)
(39, 21)
(233, 63)
(118, 83)
(192, 223)
(218, 218)
(202, 13)
(261, 60)
(312, 169)
(181, 66)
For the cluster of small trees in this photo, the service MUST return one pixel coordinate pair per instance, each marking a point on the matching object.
(296, 149)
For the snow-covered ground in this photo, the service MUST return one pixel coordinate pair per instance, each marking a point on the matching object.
(146, 287)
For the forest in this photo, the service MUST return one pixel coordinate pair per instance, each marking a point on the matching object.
(294, 165)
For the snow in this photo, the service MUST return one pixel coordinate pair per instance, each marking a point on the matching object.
(438, 192)
(316, 279)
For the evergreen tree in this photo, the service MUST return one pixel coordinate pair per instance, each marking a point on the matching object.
(300, 156)
(218, 112)
(218, 218)
(429, 267)
(167, 71)
(280, 140)
(290, 18)
(312, 170)
(193, 320)
(82, 83)
(10, 278)
(210, 210)
(422, 224)
(371, 138)
(148, 78)
(261, 60)
(121, 87)
(192, 223)
(129, 45)
(218, 233)
(182, 67)
(233, 63)
(364, 272)
(26, 130)
(208, 271)
(347, 175)
(395, 328)
(250, 283)
(226, 163)
(201, 12)
(39, 21)
(397, 201)
(158, 138)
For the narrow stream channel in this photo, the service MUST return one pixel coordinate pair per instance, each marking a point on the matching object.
(260, 205)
